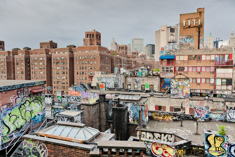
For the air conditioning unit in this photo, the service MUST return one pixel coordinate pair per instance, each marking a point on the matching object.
(198, 83)
(198, 72)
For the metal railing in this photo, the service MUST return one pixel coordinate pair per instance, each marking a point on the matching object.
(12, 144)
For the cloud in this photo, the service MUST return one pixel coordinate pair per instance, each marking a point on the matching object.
(29, 22)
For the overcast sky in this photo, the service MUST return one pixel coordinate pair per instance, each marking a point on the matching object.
(28, 22)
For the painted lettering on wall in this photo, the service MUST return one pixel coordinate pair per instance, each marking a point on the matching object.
(34, 148)
(14, 117)
(164, 137)
(216, 145)
(162, 150)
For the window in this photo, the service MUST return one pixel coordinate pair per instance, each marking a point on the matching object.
(177, 58)
(181, 68)
(151, 87)
(223, 81)
(185, 69)
(203, 57)
(190, 69)
(194, 69)
(203, 80)
(190, 57)
(208, 57)
(199, 57)
(194, 80)
(198, 69)
(207, 69)
(207, 80)
(203, 69)
(212, 57)
(158, 108)
(218, 82)
(212, 69)
(228, 81)
(198, 80)
(181, 58)
(212, 81)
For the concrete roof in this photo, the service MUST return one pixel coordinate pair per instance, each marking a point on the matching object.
(16, 82)
(7, 85)
(70, 113)
(60, 142)
(122, 144)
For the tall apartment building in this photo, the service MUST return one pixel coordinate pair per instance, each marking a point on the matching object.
(22, 65)
(138, 45)
(166, 40)
(48, 45)
(40, 65)
(62, 69)
(192, 30)
(209, 72)
(7, 63)
(149, 50)
(2, 45)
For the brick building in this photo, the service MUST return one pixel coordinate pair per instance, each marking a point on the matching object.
(209, 71)
(40, 65)
(7, 63)
(2, 45)
(192, 30)
(62, 69)
(22, 65)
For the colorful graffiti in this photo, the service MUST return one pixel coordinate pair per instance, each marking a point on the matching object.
(14, 117)
(159, 136)
(187, 42)
(231, 115)
(180, 152)
(162, 150)
(217, 116)
(164, 117)
(134, 113)
(111, 82)
(34, 149)
(216, 145)
(180, 88)
(201, 112)
(231, 151)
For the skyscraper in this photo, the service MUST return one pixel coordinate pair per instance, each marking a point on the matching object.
(138, 45)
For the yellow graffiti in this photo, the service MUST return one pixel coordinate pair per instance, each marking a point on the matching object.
(216, 148)
(180, 152)
(161, 117)
(162, 149)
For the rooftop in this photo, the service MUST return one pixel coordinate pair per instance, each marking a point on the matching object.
(6, 85)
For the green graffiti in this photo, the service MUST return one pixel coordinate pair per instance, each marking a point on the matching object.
(17, 116)
(34, 149)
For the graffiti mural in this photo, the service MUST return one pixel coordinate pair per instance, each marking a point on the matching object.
(111, 82)
(164, 137)
(164, 117)
(34, 148)
(231, 115)
(217, 116)
(133, 111)
(216, 145)
(187, 42)
(201, 112)
(162, 150)
(14, 117)
(231, 151)
(180, 88)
